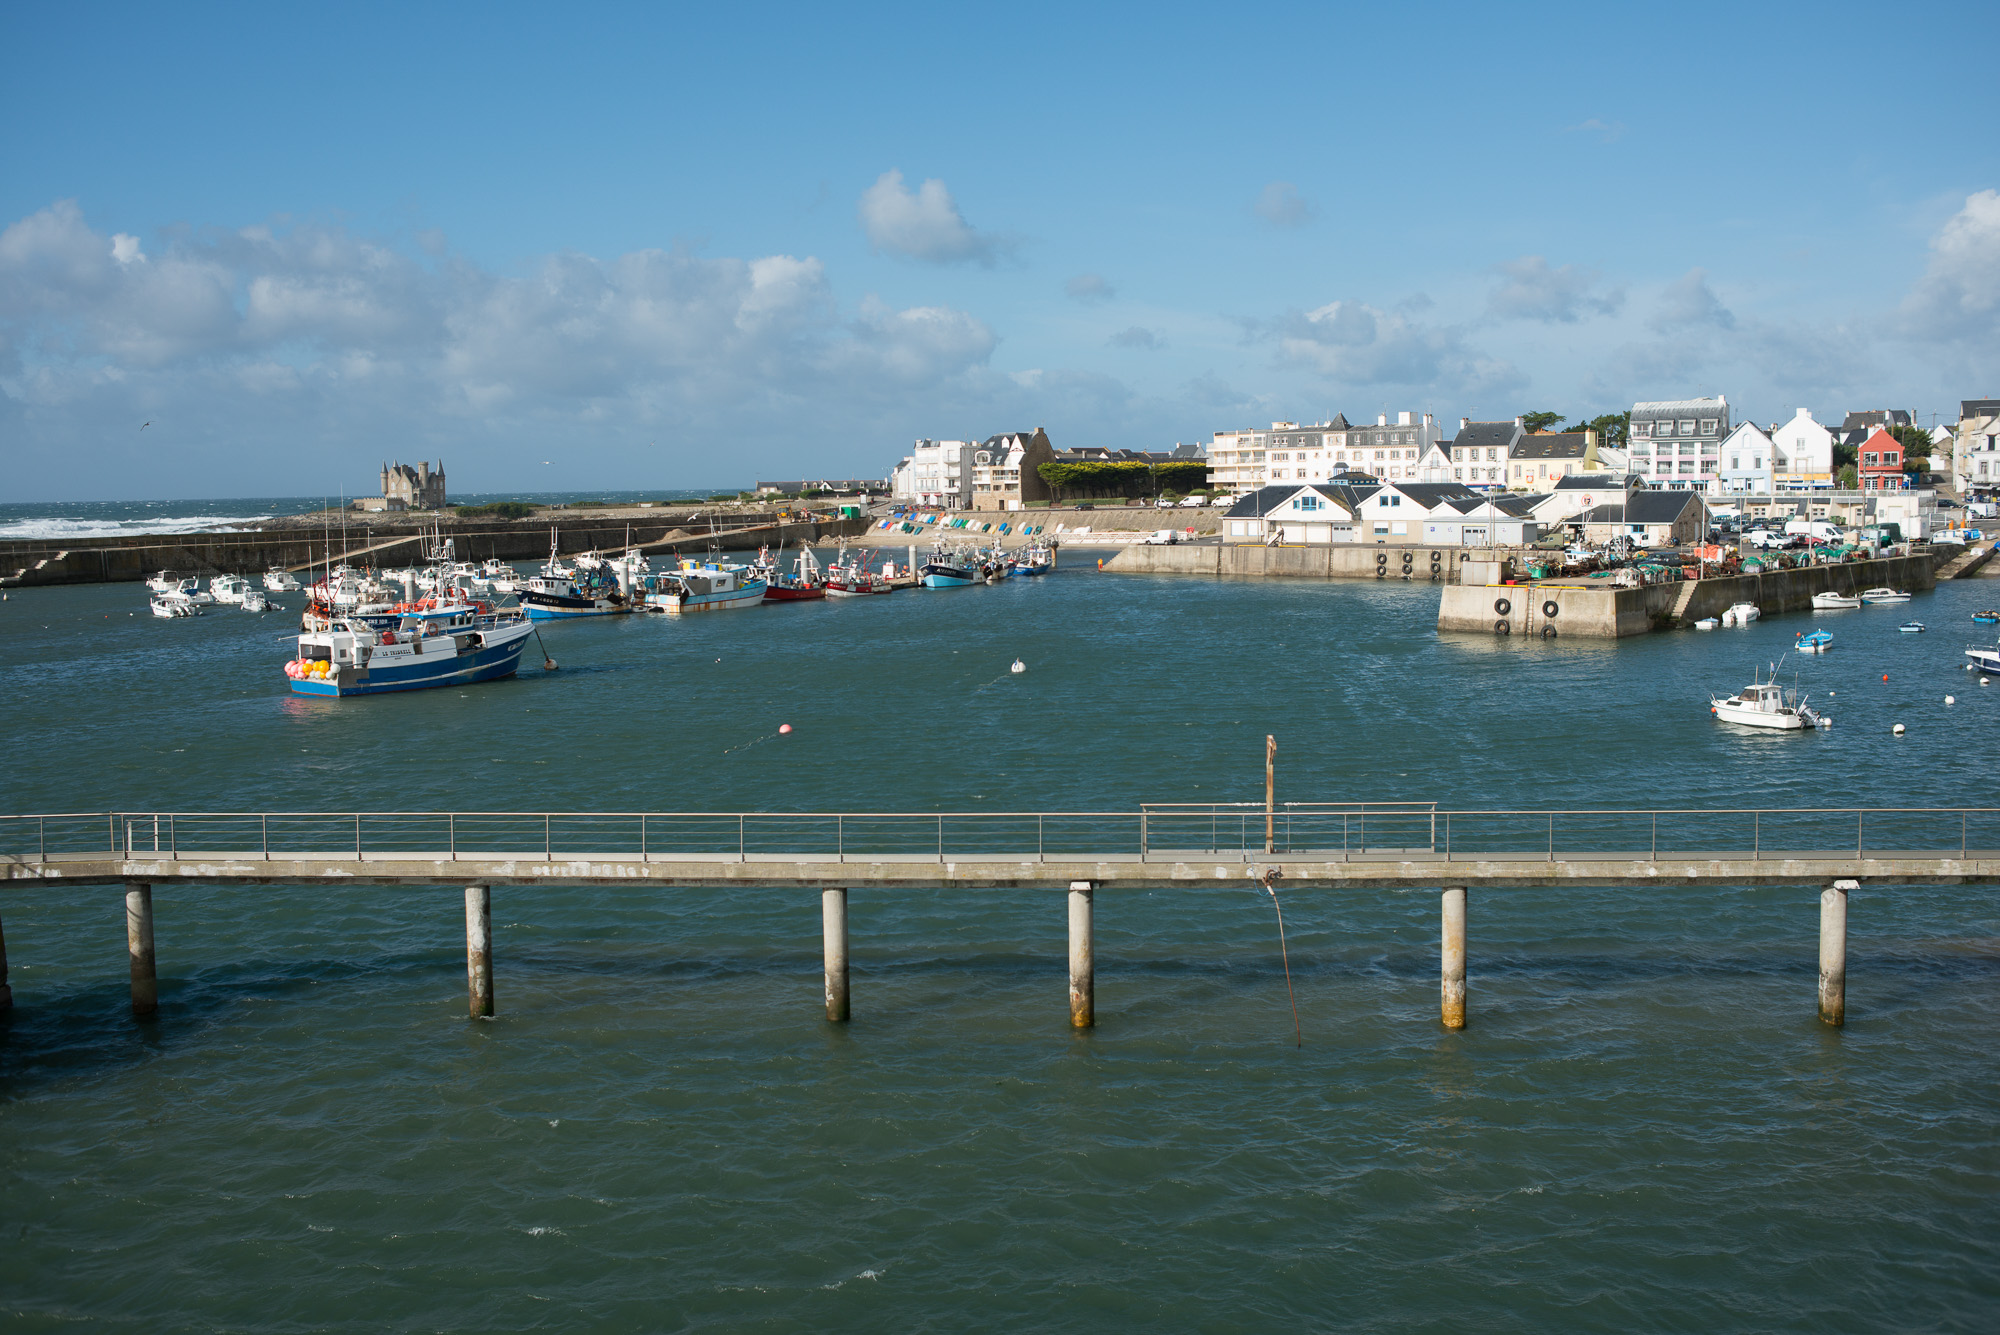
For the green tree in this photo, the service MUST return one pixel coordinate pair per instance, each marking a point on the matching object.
(1611, 428)
(1916, 443)
(1850, 478)
(1540, 421)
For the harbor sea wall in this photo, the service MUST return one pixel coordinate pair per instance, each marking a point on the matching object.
(1431, 564)
(26, 562)
(1578, 608)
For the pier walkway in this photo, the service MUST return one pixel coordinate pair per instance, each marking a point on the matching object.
(1293, 847)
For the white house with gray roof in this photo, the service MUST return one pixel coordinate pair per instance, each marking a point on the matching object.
(1482, 452)
(1677, 443)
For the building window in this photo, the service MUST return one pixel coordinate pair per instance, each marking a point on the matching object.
(1687, 428)
(1708, 426)
(1868, 461)
(1642, 429)
(1458, 474)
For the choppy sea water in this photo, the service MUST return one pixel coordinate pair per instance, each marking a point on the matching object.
(1644, 1125)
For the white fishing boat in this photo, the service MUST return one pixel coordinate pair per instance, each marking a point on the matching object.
(1884, 596)
(1707, 623)
(255, 601)
(1741, 614)
(439, 645)
(703, 586)
(174, 604)
(168, 581)
(280, 580)
(229, 589)
(1765, 704)
(1834, 602)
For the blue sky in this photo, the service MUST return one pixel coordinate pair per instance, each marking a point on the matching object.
(663, 246)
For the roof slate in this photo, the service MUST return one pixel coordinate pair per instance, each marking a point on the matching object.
(1557, 445)
(1487, 434)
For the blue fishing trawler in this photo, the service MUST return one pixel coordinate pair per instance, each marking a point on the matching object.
(439, 644)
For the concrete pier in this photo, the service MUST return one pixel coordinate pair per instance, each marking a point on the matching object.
(1454, 957)
(833, 924)
(6, 992)
(1833, 952)
(1082, 959)
(479, 951)
(139, 945)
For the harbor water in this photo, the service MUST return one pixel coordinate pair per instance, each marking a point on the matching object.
(1643, 1127)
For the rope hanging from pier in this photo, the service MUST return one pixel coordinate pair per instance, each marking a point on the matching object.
(1269, 876)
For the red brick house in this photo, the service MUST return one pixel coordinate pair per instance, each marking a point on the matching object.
(1881, 462)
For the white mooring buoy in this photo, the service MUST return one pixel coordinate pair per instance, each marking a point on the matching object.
(1019, 666)
(1898, 730)
(1951, 699)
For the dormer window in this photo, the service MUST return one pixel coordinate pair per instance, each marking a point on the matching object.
(1708, 426)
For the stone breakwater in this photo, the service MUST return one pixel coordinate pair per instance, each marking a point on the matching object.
(27, 562)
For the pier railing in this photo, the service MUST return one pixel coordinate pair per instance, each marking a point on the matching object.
(1331, 832)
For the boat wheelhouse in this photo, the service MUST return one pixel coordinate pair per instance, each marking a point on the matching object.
(1766, 704)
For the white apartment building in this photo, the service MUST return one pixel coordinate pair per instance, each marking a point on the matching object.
(1246, 459)
(1975, 448)
(1746, 461)
(1676, 444)
(1802, 454)
(935, 472)
(1481, 452)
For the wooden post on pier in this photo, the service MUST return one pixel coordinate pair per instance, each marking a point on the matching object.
(1270, 789)
(479, 951)
(139, 945)
(833, 923)
(1454, 957)
(6, 992)
(1082, 958)
(1833, 952)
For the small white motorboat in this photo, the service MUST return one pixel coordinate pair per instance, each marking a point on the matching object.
(229, 589)
(174, 604)
(255, 601)
(1911, 627)
(1834, 602)
(1765, 704)
(1707, 623)
(1884, 596)
(280, 580)
(1741, 614)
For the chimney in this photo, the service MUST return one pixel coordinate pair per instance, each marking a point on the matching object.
(1589, 438)
(1382, 419)
(1464, 422)
(1517, 421)
(1406, 419)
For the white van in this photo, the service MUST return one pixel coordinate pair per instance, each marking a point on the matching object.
(1763, 537)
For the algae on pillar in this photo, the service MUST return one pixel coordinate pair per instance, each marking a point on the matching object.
(479, 951)
(833, 925)
(1082, 960)
(1833, 952)
(1453, 956)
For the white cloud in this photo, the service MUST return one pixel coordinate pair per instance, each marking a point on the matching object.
(1279, 204)
(1563, 295)
(1690, 301)
(1959, 294)
(314, 331)
(922, 224)
(1090, 287)
(125, 248)
(1355, 344)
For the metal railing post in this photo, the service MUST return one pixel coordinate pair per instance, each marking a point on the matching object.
(1447, 835)
(1142, 836)
(357, 836)
(548, 842)
(1655, 855)
(266, 820)
(1756, 835)
(840, 838)
(940, 836)
(42, 839)
(1041, 842)
(1857, 834)
(642, 836)
(1552, 836)
(173, 839)
(451, 833)
(1961, 836)
(739, 838)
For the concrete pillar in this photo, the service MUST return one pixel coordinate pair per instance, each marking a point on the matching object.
(139, 945)
(1454, 957)
(1082, 958)
(833, 924)
(479, 951)
(1833, 952)
(6, 992)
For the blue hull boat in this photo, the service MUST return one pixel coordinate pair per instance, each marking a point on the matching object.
(352, 658)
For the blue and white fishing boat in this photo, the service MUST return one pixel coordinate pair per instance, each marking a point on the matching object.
(1985, 658)
(703, 586)
(1038, 558)
(947, 571)
(451, 644)
(1814, 642)
(589, 589)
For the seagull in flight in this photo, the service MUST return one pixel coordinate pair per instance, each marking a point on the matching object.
(144, 425)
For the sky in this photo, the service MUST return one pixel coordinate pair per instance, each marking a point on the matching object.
(259, 249)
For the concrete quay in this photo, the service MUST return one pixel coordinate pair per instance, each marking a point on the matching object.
(1430, 564)
(1570, 607)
